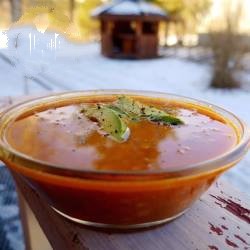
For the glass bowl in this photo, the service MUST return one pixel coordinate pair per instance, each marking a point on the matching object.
(123, 199)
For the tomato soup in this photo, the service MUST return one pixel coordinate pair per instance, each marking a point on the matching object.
(129, 182)
(65, 137)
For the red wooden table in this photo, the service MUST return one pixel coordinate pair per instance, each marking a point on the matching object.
(220, 219)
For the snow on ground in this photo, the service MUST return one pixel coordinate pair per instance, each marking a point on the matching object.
(34, 62)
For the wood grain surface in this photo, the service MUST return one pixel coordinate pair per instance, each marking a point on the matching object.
(220, 219)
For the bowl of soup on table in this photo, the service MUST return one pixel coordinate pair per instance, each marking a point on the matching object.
(117, 158)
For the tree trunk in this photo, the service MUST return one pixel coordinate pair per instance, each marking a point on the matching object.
(71, 9)
(16, 9)
(224, 78)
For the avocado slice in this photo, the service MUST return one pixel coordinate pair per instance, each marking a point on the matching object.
(109, 121)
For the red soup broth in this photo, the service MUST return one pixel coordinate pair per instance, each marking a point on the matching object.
(121, 183)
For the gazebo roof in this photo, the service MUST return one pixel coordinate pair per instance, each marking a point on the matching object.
(129, 8)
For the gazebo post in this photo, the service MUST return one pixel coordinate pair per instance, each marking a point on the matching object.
(110, 27)
(106, 36)
(138, 38)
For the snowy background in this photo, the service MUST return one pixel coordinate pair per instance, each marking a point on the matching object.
(32, 62)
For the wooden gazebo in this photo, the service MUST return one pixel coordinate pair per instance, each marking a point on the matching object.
(129, 28)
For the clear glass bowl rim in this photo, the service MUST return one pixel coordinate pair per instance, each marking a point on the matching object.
(7, 153)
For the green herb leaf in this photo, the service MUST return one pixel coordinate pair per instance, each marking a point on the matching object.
(129, 107)
(166, 120)
(138, 111)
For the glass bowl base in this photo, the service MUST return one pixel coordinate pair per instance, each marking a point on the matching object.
(119, 227)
